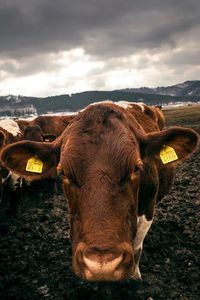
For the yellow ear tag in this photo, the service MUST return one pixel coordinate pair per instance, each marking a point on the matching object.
(167, 155)
(34, 165)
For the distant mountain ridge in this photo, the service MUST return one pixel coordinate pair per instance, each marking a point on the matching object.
(187, 88)
(21, 106)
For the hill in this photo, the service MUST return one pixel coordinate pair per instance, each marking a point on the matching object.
(188, 91)
(185, 89)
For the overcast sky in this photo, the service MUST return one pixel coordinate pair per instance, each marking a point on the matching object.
(52, 47)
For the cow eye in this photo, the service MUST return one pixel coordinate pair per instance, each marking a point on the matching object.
(136, 169)
(74, 182)
(66, 180)
(71, 182)
(124, 179)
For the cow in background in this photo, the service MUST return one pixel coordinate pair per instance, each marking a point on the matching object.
(152, 112)
(9, 133)
(116, 164)
(44, 128)
(160, 118)
(41, 129)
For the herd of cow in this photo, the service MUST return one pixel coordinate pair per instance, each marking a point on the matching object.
(116, 161)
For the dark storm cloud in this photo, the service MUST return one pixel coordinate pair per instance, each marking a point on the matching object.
(27, 65)
(101, 27)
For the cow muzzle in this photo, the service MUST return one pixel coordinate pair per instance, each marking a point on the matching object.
(101, 264)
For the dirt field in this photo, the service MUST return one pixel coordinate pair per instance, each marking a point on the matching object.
(35, 252)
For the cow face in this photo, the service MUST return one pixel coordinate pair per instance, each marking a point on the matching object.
(35, 133)
(111, 175)
(101, 182)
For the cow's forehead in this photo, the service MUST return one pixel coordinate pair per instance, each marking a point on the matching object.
(98, 120)
(84, 149)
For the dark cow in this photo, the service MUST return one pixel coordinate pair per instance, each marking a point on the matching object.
(114, 171)
(44, 128)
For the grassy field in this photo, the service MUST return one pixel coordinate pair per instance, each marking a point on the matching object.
(184, 116)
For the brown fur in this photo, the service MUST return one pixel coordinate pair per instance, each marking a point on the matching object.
(160, 118)
(44, 128)
(151, 119)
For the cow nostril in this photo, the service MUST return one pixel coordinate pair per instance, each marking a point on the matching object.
(102, 269)
(99, 264)
(102, 260)
(80, 257)
(127, 258)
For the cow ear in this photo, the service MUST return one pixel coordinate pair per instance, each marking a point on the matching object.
(31, 160)
(182, 142)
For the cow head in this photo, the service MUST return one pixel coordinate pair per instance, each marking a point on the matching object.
(102, 155)
(35, 133)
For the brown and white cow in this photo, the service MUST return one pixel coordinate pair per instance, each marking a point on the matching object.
(113, 176)
(9, 133)
(41, 129)
(153, 112)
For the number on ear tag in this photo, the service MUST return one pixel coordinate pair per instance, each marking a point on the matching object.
(168, 154)
(34, 165)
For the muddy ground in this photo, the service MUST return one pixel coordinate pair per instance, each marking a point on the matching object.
(35, 252)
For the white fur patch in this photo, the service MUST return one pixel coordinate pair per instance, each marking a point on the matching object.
(5, 178)
(10, 126)
(15, 181)
(137, 274)
(143, 226)
(96, 103)
(126, 104)
(141, 105)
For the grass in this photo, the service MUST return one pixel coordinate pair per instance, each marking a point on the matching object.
(184, 116)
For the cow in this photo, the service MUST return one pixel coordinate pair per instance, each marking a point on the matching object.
(116, 165)
(41, 129)
(153, 112)
(9, 133)
(44, 128)
(23, 123)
